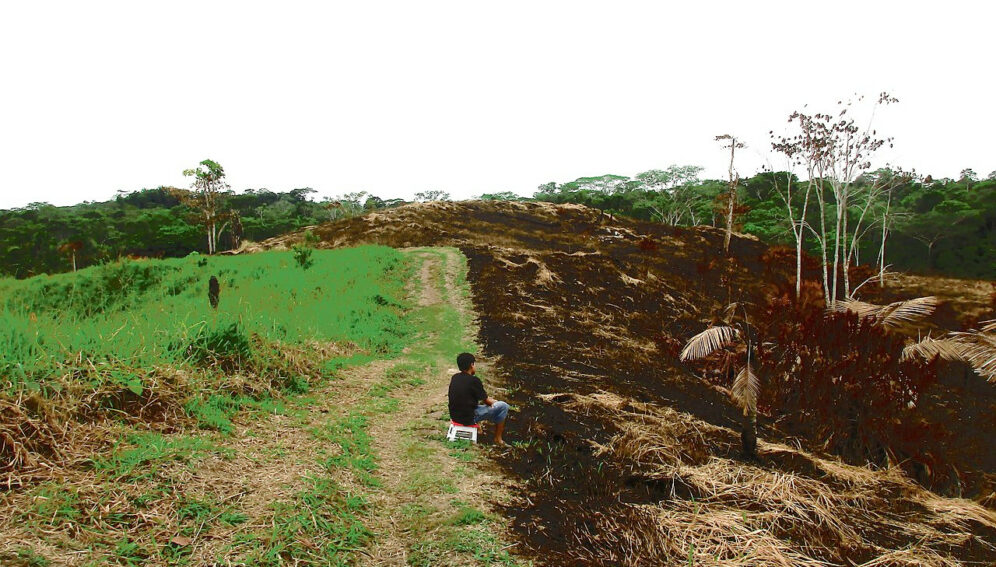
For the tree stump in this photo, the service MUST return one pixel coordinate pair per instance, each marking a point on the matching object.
(214, 290)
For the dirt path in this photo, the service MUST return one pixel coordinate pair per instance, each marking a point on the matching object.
(420, 486)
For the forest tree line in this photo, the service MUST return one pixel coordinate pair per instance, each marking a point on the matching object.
(940, 226)
(943, 226)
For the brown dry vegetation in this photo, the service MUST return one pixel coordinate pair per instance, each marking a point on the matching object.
(42, 437)
(629, 457)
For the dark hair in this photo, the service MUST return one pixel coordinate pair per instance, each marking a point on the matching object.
(464, 361)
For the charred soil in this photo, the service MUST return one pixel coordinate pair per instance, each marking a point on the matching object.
(627, 456)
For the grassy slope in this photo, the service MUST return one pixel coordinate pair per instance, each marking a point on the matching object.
(139, 339)
(141, 314)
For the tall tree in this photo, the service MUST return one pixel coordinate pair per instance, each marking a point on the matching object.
(798, 153)
(205, 197)
(669, 192)
(849, 150)
(432, 195)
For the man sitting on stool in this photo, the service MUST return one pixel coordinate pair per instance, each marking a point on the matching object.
(470, 404)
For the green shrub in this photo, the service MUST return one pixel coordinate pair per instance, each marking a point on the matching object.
(227, 347)
(302, 255)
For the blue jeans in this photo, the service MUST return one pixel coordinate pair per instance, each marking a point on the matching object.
(495, 414)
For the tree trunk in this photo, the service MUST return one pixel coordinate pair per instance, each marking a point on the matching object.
(74, 260)
(823, 247)
(729, 218)
(800, 236)
(733, 199)
(885, 234)
(798, 267)
(846, 251)
(838, 226)
(748, 435)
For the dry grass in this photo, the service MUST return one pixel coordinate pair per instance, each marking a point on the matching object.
(544, 276)
(27, 443)
(970, 298)
(789, 508)
(41, 437)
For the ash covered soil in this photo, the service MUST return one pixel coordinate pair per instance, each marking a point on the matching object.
(625, 455)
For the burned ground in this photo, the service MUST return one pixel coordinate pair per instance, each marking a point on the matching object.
(627, 456)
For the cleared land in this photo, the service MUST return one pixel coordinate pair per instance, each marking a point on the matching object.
(628, 457)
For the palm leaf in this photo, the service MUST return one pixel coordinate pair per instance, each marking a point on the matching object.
(975, 348)
(928, 348)
(745, 389)
(860, 308)
(980, 352)
(891, 315)
(708, 342)
(910, 311)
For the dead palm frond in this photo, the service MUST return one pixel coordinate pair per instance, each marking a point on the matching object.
(860, 308)
(929, 348)
(975, 348)
(893, 314)
(745, 389)
(910, 311)
(708, 342)
(980, 350)
(745, 386)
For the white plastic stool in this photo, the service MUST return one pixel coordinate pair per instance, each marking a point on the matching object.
(458, 431)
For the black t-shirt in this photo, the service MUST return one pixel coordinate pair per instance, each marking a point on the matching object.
(466, 392)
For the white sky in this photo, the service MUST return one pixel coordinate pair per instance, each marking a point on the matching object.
(467, 97)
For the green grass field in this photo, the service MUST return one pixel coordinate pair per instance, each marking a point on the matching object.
(132, 326)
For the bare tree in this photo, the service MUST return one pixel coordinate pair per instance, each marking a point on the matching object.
(873, 189)
(733, 145)
(835, 151)
(237, 228)
(70, 249)
(334, 208)
(788, 192)
(886, 220)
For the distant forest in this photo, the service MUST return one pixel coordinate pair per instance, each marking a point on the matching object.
(939, 226)
(932, 226)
